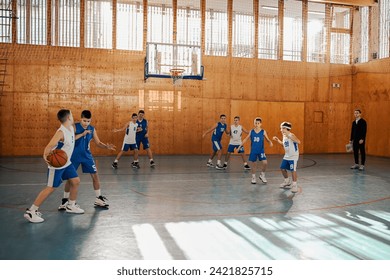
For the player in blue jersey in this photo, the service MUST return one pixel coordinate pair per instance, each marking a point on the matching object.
(129, 142)
(257, 136)
(142, 136)
(82, 155)
(63, 139)
(290, 160)
(218, 129)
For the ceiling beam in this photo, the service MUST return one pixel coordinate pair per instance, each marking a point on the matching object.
(349, 2)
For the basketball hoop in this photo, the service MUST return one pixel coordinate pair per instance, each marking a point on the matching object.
(177, 76)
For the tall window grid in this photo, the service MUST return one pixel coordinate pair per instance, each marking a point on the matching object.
(98, 24)
(340, 39)
(316, 33)
(384, 28)
(66, 23)
(31, 27)
(129, 29)
(243, 28)
(364, 34)
(189, 30)
(160, 22)
(5, 21)
(216, 37)
(292, 33)
(268, 30)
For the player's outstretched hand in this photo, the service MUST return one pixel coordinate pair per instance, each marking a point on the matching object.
(111, 146)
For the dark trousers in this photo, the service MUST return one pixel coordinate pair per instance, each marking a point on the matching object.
(359, 147)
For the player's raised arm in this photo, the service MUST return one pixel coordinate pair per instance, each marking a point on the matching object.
(121, 129)
(100, 144)
(209, 130)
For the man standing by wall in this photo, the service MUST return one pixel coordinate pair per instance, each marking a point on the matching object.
(358, 140)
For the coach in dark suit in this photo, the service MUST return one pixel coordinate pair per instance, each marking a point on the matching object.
(358, 140)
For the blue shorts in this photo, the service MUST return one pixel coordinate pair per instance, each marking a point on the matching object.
(290, 165)
(216, 145)
(231, 148)
(56, 176)
(132, 147)
(144, 141)
(87, 165)
(254, 156)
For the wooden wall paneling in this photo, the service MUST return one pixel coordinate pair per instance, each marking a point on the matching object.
(243, 80)
(218, 75)
(316, 128)
(339, 127)
(30, 133)
(6, 123)
(378, 134)
(317, 82)
(128, 72)
(268, 81)
(187, 125)
(122, 108)
(212, 109)
(165, 122)
(101, 107)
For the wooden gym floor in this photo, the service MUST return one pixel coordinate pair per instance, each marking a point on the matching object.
(181, 209)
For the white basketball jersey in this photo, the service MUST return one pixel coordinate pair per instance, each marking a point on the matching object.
(68, 144)
(131, 131)
(235, 135)
(290, 148)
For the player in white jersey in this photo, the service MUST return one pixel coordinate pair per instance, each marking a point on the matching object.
(236, 131)
(63, 139)
(290, 160)
(129, 141)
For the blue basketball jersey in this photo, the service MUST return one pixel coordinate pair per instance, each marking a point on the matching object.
(81, 148)
(144, 125)
(218, 132)
(257, 139)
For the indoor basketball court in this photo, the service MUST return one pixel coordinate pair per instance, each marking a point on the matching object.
(306, 72)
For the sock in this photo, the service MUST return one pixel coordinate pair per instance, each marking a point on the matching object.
(136, 160)
(98, 193)
(149, 160)
(245, 163)
(210, 160)
(218, 162)
(66, 194)
(253, 175)
(34, 208)
(262, 174)
(71, 202)
(225, 162)
(116, 160)
(294, 183)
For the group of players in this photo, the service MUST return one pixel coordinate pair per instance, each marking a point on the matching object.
(257, 136)
(75, 138)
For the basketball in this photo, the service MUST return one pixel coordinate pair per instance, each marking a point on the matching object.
(57, 158)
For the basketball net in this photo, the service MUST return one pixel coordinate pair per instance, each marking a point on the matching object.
(177, 76)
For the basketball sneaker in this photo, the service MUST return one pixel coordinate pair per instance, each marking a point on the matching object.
(101, 201)
(262, 177)
(294, 187)
(152, 164)
(114, 165)
(64, 202)
(135, 165)
(210, 164)
(361, 168)
(253, 180)
(247, 167)
(355, 166)
(75, 209)
(224, 166)
(219, 167)
(286, 184)
(33, 216)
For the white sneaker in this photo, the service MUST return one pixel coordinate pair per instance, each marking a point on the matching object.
(63, 204)
(33, 216)
(262, 178)
(355, 166)
(286, 184)
(253, 180)
(75, 209)
(361, 168)
(294, 188)
(101, 201)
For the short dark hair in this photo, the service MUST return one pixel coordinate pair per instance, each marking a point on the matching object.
(223, 115)
(258, 120)
(62, 115)
(134, 115)
(86, 114)
(358, 110)
(141, 112)
(236, 117)
(286, 125)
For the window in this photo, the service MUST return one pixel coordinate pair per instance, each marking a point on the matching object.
(189, 30)
(98, 24)
(160, 21)
(384, 28)
(5, 21)
(243, 28)
(216, 28)
(66, 23)
(340, 35)
(292, 33)
(130, 20)
(316, 33)
(32, 22)
(364, 34)
(268, 30)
